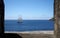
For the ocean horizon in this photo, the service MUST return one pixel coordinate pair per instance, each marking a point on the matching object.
(28, 25)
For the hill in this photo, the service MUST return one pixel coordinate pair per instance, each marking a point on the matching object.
(52, 19)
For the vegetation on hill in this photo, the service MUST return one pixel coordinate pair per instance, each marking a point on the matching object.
(52, 19)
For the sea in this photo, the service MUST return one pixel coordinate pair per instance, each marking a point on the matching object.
(28, 25)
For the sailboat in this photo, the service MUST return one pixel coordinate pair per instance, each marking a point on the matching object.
(20, 20)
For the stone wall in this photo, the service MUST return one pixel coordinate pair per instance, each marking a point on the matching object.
(57, 18)
(1, 16)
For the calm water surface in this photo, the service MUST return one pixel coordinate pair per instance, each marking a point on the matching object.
(28, 25)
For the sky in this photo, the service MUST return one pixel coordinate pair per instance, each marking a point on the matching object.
(29, 9)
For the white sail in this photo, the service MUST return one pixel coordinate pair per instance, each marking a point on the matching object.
(20, 19)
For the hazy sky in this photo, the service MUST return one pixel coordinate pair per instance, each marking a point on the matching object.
(28, 9)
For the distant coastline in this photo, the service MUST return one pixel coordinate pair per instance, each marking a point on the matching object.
(52, 19)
